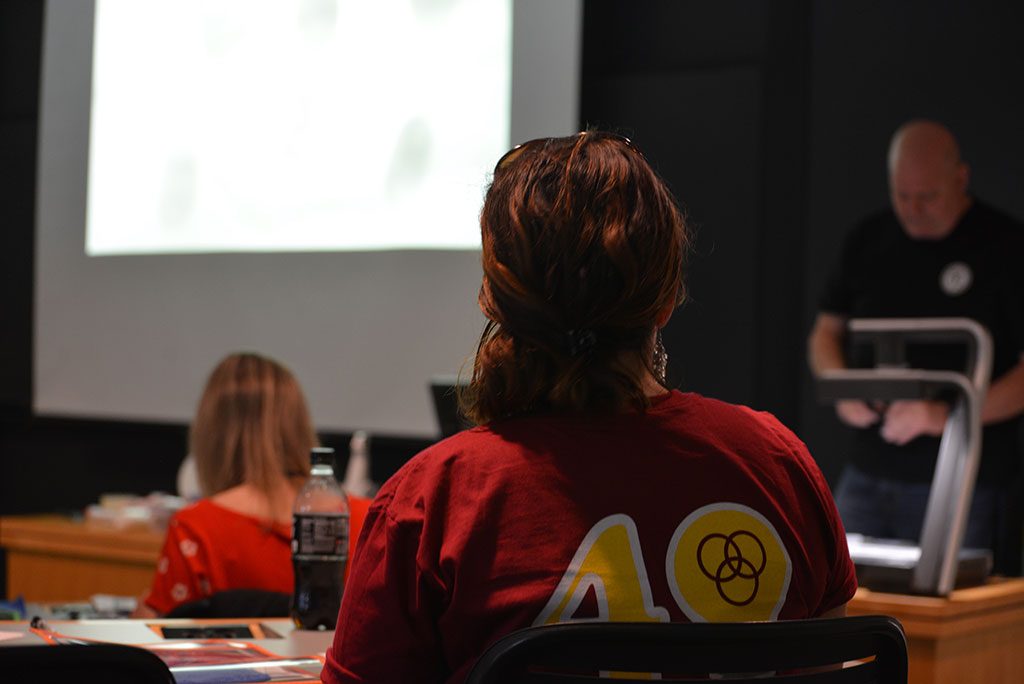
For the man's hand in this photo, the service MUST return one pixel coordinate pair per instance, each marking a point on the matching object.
(908, 420)
(825, 353)
(856, 413)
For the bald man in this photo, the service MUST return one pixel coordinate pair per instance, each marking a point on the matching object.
(936, 252)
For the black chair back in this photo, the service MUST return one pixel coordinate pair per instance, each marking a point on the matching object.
(804, 651)
(101, 662)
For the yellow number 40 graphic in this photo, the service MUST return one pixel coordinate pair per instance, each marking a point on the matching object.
(725, 562)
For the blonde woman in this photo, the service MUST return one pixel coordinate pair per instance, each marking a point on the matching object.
(251, 440)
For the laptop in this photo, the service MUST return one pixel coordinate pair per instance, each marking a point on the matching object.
(443, 392)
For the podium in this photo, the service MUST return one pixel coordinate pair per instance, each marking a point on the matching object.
(971, 635)
(938, 563)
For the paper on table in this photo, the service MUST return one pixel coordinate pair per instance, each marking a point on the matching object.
(5, 636)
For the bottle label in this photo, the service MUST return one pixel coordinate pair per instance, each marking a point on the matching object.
(323, 536)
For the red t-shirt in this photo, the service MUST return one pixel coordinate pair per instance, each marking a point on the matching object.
(693, 510)
(210, 548)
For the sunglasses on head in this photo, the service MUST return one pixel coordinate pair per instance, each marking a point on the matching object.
(516, 151)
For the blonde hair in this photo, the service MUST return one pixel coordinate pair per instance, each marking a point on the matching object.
(251, 426)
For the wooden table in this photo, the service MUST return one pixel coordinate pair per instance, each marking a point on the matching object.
(974, 635)
(53, 558)
(285, 642)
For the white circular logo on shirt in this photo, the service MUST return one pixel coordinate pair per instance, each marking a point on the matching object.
(956, 278)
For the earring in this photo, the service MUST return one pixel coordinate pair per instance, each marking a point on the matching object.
(660, 360)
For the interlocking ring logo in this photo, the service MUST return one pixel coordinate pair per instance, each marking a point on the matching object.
(734, 565)
(726, 563)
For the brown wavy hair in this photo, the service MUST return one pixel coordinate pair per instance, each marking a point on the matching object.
(252, 426)
(583, 251)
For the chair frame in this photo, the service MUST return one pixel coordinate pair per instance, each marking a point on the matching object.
(93, 662)
(701, 648)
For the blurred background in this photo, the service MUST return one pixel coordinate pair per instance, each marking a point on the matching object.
(769, 119)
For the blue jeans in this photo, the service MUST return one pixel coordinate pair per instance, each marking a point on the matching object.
(892, 509)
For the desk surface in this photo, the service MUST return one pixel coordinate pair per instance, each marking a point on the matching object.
(292, 642)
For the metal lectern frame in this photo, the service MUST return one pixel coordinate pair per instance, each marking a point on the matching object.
(956, 467)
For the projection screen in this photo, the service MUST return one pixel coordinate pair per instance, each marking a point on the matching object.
(296, 178)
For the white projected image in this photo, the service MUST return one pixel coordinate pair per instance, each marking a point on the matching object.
(294, 125)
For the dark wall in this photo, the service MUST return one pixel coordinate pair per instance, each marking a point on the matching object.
(715, 94)
(52, 464)
(20, 42)
(20, 30)
(768, 118)
(874, 66)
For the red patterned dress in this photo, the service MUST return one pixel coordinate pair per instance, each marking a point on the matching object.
(210, 548)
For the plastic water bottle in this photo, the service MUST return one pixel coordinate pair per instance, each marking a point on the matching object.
(319, 545)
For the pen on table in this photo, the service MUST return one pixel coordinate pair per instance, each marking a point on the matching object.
(37, 623)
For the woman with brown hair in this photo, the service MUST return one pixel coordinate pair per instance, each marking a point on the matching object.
(588, 490)
(251, 440)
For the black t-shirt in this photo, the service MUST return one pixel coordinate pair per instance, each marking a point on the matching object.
(976, 272)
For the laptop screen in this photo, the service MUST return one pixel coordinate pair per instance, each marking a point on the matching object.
(446, 406)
